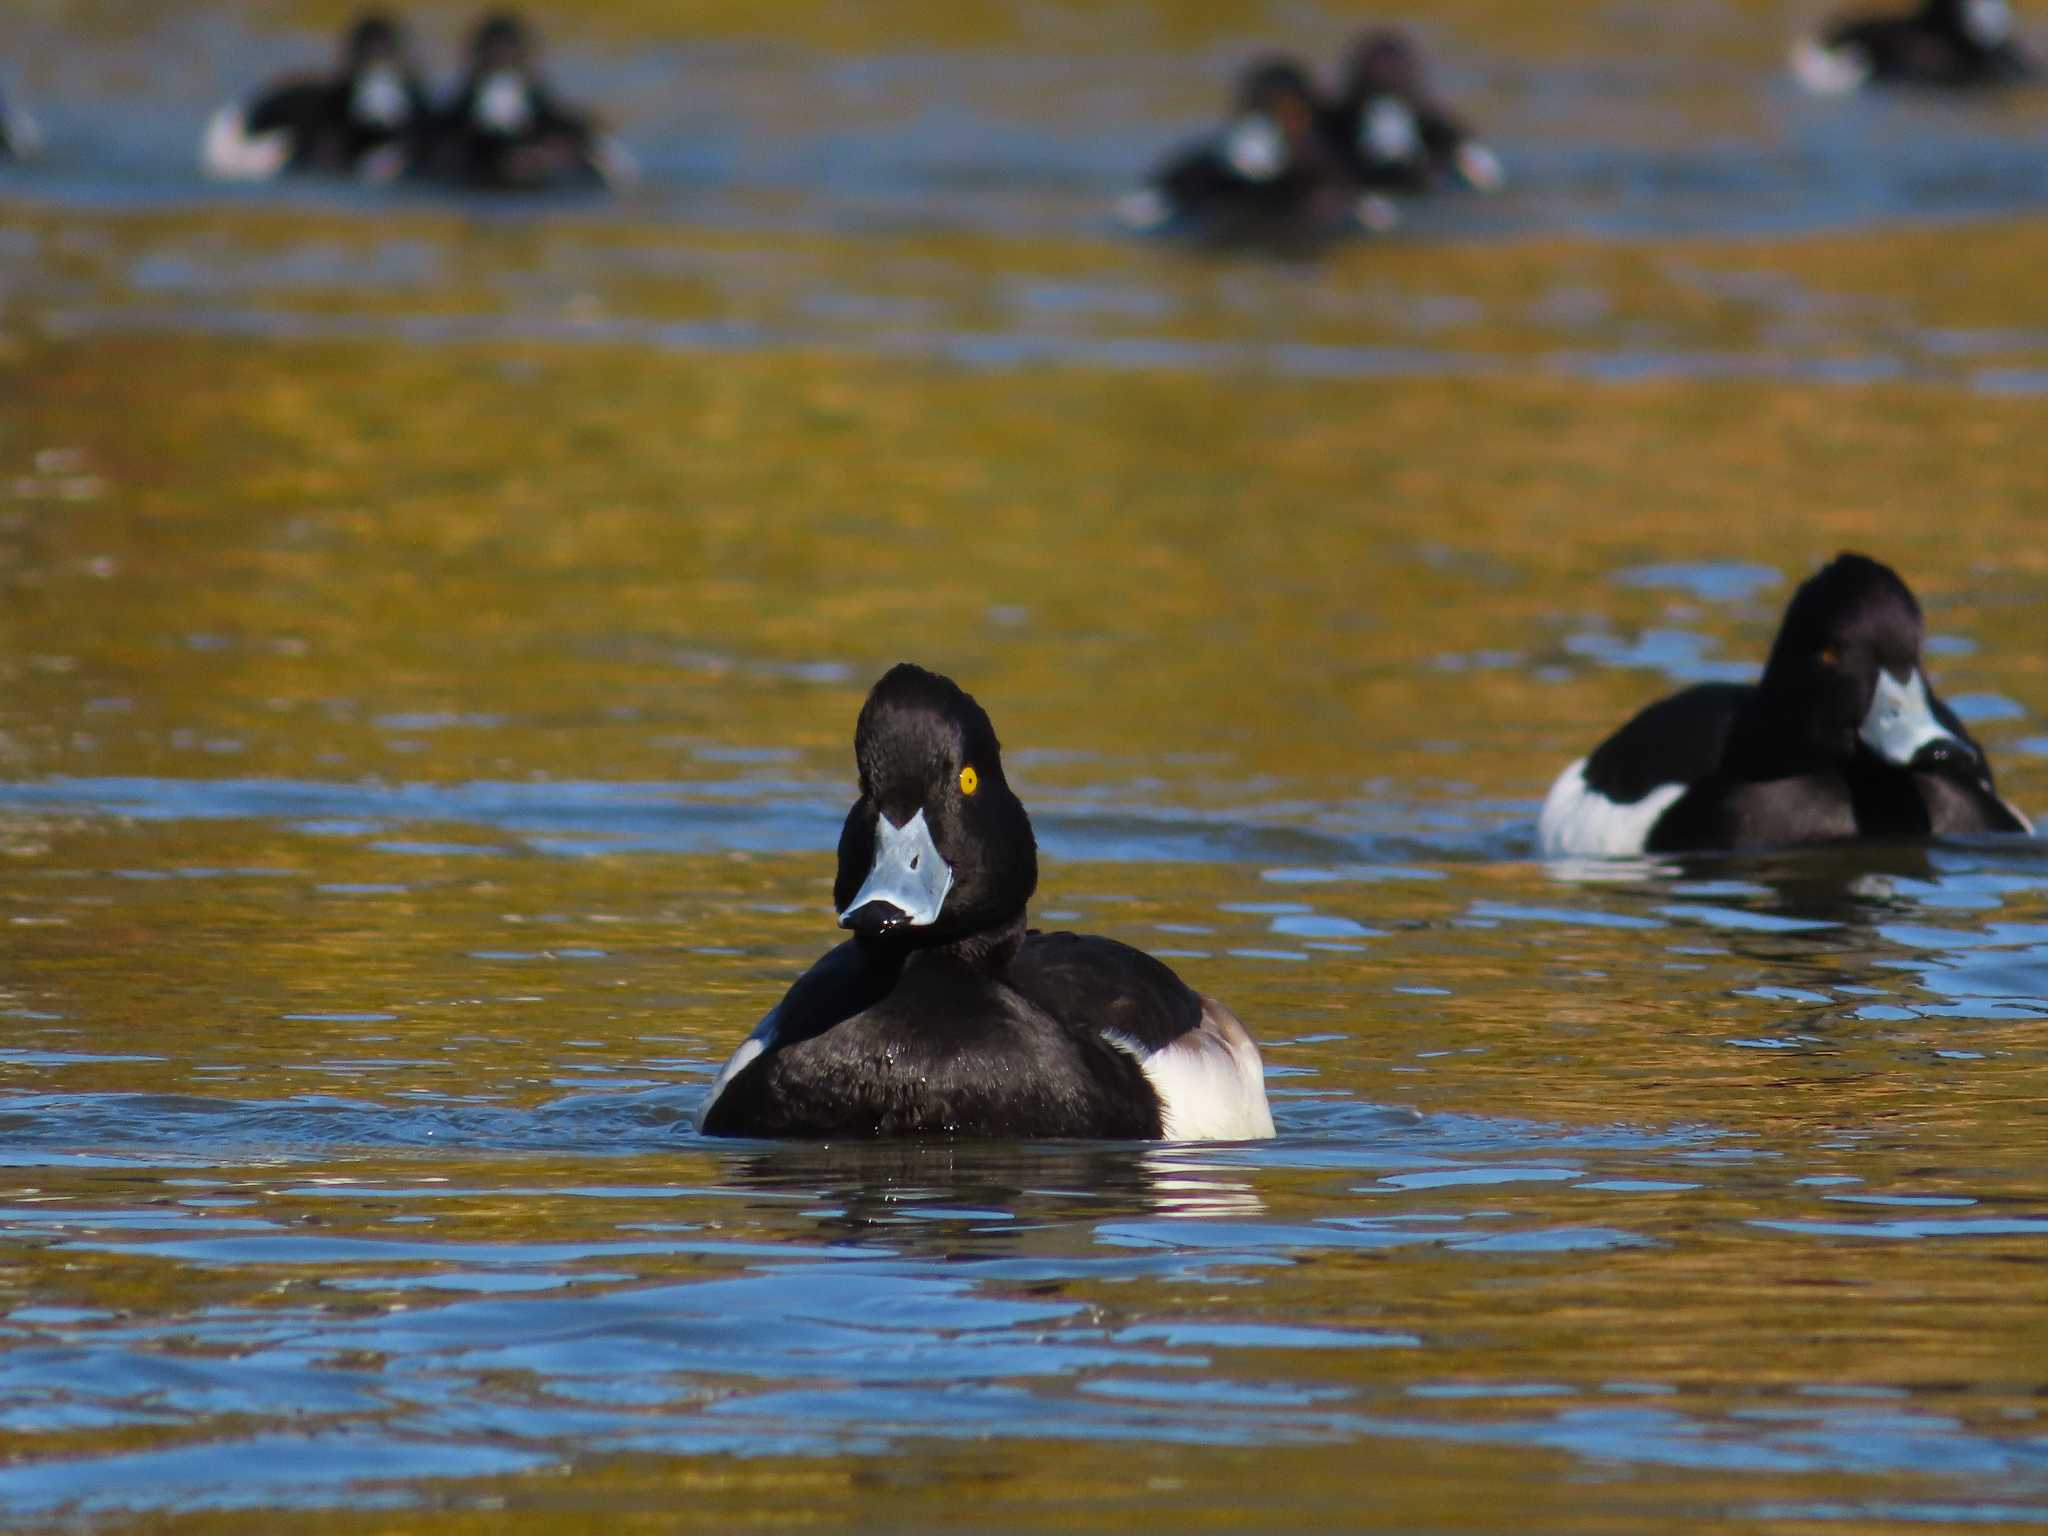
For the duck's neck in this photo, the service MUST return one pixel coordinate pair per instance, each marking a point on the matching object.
(993, 948)
(989, 949)
(1777, 736)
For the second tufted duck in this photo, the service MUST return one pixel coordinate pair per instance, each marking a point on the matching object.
(1268, 176)
(1954, 43)
(943, 1015)
(1392, 133)
(505, 130)
(347, 123)
(1841, 738)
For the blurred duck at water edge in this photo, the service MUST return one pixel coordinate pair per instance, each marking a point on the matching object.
(1269, 176)
(1392, 133)
(1952, 44)
(364, 119)
(19, 137)
(505, 130)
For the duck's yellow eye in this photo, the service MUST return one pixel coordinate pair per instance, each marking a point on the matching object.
(1828, 658)
(970, 781)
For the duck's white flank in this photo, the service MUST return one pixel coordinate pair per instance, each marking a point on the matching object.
(750, 1048)
(616, 164)
(231, 153)
(1481, 168)
(1143, 209)
(23, 136)
(1578, 819)
(1211, 1082)
(1828, 71)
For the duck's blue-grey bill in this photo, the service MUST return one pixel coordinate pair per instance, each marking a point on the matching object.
(908, 875)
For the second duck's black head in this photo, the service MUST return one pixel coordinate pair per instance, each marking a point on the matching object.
(1382, 63)
(376, 64)
(1845, 677)
(1273, 122)
(502, 40)
(372, 38)
(499, 94)
(937, 848)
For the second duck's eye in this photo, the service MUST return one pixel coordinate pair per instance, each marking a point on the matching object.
(1828, 658)
(970, 781)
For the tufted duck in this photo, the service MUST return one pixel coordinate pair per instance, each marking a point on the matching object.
(1841, 738)
(357, 121)
(1268, 176)
(943, 1015)
(505, 130)
(1392, 134)
(1944, 43)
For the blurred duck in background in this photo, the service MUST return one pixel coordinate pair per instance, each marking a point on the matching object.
(363, 119)
(504, 130)
(1946, 43)
(1392, 135)
(1270, 174)
(19, 136)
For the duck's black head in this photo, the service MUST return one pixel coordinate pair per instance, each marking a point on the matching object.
(372, 38)
(502, 40)
(1845, 676)
(1273, 122)
(1382, 63)
(937, 849)
(376, 64)
(500, 91)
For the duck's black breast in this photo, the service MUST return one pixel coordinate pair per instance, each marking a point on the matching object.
(1211, 199)
(1956, 808)
(941, 1048)
(1910, 50)
(1438, 135)
(1721, 812)
(554, 153)
(1865, 800)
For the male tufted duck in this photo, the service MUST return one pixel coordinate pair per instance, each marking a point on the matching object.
(505, 130)
(359, 120)
(943, 1015)
(1841, 738)
(1944, 43)
(1392, 134)
(1269, 175)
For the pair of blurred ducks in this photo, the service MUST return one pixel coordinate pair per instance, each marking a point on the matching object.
(373, 118)
(1288, 162)
(945, 1015)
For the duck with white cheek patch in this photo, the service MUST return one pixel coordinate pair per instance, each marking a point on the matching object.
(1268, 178)
(505, 130)
(943, 1015)
(1945, 44)
(363, 120)
(1392, 132)
(1842, 738)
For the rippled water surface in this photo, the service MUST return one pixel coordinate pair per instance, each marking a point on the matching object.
(430, 637)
